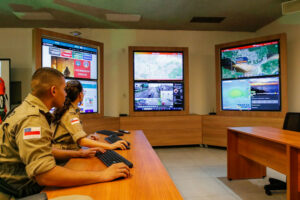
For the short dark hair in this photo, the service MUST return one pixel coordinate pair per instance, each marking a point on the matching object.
(43, 79)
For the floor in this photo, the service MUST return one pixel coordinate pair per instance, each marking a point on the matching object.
(200, 173)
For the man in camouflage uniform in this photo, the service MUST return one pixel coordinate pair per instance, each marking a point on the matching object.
(26, 161)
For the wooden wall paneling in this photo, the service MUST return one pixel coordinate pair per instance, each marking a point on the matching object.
(214, 128)
(167, 130)
(131, 49)
(283, 77)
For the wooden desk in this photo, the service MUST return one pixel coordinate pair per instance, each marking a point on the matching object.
(250, 149)
(149, 178)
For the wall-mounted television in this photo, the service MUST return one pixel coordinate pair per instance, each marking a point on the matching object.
(255, 60)
(76, 58)
(162, 66)
(240, 91)
(150, 96)
(72, 60)
(90, 91)
(252, 75)
(158, 80)
(251, 94)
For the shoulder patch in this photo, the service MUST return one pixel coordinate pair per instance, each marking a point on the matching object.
(75, 121)
(32, 132)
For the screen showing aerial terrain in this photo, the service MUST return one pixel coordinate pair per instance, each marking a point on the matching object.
(255, 94)
(158, 96)
(89, 103)
(158, 66)
(72, 60)
(255, 60)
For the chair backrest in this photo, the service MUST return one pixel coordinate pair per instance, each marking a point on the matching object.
(292, 121)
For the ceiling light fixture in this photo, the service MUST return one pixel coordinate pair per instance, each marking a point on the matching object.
(34, 15)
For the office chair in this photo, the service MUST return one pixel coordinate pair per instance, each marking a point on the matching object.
(292, 123)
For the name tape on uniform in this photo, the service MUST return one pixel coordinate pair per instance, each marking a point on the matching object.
(32, 132)
(75, 121)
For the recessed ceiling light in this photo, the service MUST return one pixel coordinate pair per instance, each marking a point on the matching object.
(34, 15)
(123, 17)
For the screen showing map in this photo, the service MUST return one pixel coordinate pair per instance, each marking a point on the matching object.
(158, 96)
(89, 103)
(255, 94)
(158, 66)
(70, 59)
(261, 59)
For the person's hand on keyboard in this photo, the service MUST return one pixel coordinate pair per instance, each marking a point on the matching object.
(88, 153)
(118, 170)
(119, 144)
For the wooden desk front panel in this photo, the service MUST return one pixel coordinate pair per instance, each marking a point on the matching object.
(265, 152)
(215, 127)
(167, 130)
(95, 122)
(149, 178)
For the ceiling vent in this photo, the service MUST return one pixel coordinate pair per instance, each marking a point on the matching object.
(207, 19)
(290, 7)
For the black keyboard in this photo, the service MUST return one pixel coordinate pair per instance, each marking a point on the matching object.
(107, 132)
(111, 157)
(114, 138)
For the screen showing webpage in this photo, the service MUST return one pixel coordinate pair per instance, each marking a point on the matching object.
(72, 60)
(90, 100)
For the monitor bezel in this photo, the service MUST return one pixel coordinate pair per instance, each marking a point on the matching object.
(38, 34)
(185, 81)
(281, 38)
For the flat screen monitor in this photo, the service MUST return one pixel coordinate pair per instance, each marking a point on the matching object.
(163, 66)
(158, 96)
(72, 60)
(90, 100)
(5, 85)
(254, 60)
(253, 94)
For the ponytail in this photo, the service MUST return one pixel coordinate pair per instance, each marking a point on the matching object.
(73, 89)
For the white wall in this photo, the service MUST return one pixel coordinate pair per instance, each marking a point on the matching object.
(17, 45)
(293, 58)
